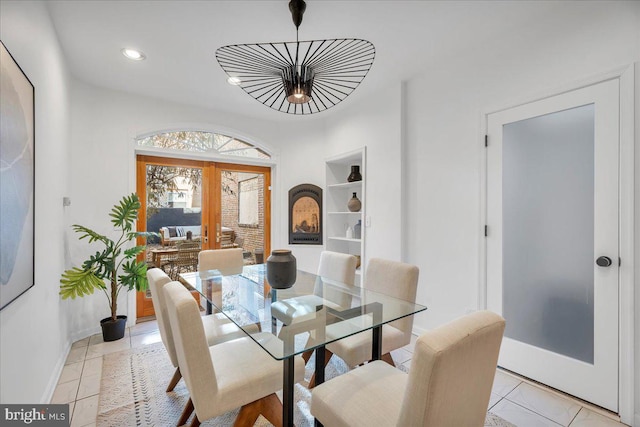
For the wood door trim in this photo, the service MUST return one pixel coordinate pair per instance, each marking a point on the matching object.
(143, 308)
(141, 190)
(211, 174)
(266, 171)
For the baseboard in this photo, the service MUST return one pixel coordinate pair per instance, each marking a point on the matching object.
(85, 333)
(55, 375)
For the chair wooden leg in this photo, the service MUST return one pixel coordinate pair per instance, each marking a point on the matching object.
(272, 409)
(186, 413)
(307, 355)
(387, 358)
(327, 357)
(176, 377)
(195, 422)
(269, 406)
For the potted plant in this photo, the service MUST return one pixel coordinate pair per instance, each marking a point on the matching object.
(115, 266)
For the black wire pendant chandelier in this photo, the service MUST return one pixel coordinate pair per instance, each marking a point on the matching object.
(301, 77)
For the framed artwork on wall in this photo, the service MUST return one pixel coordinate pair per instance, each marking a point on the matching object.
(17, 173)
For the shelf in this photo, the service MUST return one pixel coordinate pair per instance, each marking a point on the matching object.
(346, 185)
(344, 239)
(345, 213)
(337, 215)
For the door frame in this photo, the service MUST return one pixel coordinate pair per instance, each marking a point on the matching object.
(626, 76)
(211, 215)
(141, 162)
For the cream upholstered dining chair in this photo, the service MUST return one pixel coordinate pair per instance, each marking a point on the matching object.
(227, 261)
(392, 278)
(216, 326)
(232, 374)
(334, 266)
(449, 382)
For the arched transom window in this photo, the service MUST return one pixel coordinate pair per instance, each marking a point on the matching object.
(203, 142)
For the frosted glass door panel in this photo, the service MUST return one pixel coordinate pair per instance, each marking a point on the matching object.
(548, 231)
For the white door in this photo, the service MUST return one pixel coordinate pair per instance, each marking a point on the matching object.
(552, 217)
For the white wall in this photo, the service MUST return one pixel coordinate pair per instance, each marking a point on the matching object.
(445, 108)
(302, 156)
(104, 125)
(444, 129)
(439, 123)
(34, 335)
(376, 123)
(372, 122)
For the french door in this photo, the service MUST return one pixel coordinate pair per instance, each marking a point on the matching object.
(552, 241)
(200, 205)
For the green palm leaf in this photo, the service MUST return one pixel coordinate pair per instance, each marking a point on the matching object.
(77, 282)
(126, 212)
(135, 275)
(100, 270)
(134, 251)
(92, 235)
(133, 234)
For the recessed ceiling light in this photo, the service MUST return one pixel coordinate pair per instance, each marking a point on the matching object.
(235, 81)
(134, 54)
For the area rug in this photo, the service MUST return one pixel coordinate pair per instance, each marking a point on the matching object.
(132, 392)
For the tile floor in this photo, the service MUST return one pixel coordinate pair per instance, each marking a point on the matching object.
(516, 400)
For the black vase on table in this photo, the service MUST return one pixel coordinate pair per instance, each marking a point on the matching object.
(281, 269)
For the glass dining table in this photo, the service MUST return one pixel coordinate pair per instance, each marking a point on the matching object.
(315, 311)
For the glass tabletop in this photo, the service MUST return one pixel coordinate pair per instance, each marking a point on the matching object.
(313, 312)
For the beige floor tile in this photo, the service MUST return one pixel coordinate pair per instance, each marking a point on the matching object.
(89, 386)
(520, 416)
(504, 383)
(101, 349)
(85, 412)
(144, 328)
(401, 355)
(97, 338)
(71, 406)
(66, 392)
(82, 343)
(495, 398)
(70, 372)
(587, 418)
(146, 339)
(92, 366)
(76, 355)
(542, 402)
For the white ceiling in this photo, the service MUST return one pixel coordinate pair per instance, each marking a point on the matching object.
(180, 39)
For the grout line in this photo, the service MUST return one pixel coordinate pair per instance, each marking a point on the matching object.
(576, 416)
(582, 403)
(492, 406)
(531, 410)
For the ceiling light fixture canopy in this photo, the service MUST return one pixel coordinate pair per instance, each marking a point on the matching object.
(301, 77)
